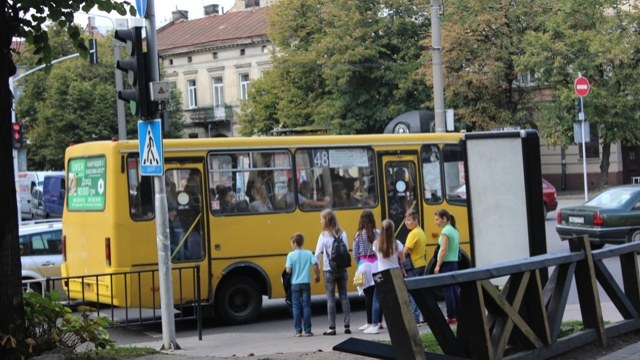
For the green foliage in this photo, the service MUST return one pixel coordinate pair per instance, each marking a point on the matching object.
(482, 41)
(345, 65)
(75, 102)
(33, 27)
(51, 325)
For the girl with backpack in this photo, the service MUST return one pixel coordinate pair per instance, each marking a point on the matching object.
(334, 267)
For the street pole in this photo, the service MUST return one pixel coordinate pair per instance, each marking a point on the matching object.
(438, 87)
(584, 152)
(162, 217)
(584, 146)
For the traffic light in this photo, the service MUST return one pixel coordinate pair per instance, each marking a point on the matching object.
(576, 104)
(17, 136)
(93, 51)
(136, 68)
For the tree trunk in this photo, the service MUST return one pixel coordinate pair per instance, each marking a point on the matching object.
(604, 164)
(11, 301)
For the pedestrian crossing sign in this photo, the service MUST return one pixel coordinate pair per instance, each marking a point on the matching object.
(151, 152)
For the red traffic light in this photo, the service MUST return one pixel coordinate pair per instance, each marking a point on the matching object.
(17, 136)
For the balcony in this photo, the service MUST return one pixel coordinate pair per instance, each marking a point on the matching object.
(210, 114)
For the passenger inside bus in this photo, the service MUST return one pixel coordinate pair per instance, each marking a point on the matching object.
(305, 200)
(227, 199)
(261, 201)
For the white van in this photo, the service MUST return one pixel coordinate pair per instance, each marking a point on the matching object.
(28, 181)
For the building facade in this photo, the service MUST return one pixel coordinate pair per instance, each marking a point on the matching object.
(212, 61)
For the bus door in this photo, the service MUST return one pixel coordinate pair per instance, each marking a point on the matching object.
(187, 221)
(401, 190)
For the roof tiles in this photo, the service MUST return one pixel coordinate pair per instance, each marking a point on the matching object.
(213, 29)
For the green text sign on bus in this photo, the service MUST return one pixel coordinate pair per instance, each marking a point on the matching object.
(86, 183)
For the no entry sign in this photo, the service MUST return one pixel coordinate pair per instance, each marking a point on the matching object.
(582, 86)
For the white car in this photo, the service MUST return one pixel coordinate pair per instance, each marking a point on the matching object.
(41, 252)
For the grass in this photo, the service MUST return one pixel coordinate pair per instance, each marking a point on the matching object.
(431, 345)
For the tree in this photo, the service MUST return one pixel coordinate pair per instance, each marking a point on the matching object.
(600, 40)
(482, 41)
(25, 19)
(77, 105)
(345, 65)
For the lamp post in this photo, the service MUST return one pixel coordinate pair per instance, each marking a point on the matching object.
(438, 87)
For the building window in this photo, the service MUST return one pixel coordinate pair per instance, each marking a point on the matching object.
(189, 59)
(244, 86)
(218, 92)
(251, 3)
(264, 49)
(241, 52)
(170, 61)
(215, 55)
(192, 93)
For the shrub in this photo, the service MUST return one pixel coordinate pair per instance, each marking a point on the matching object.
(51, 325)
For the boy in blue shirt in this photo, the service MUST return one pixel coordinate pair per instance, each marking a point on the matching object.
(299, 262)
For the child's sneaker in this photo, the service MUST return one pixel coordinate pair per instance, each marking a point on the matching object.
(364, 327)
(347, 331)
(330, 332)
(307, 334)
(297, 335)
(373, 329)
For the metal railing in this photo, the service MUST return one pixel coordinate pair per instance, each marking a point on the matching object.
(522, 320)
(188, 305)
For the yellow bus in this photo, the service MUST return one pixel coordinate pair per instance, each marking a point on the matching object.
(234, 204)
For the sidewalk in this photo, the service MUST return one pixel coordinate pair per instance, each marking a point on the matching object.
(280, 343)
(631, 352)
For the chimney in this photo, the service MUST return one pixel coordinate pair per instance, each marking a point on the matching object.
(178, 15)
(213, 9)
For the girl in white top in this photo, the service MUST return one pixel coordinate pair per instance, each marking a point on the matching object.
(389, 253)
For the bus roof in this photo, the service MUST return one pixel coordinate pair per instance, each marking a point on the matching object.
(221, 143)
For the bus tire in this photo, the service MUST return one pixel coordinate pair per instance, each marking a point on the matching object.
(239, 300)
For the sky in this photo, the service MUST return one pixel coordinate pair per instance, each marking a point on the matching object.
(163, 11)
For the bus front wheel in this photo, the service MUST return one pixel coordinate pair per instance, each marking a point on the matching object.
(239, 300)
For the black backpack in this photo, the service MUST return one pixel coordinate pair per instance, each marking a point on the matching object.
(340, 258)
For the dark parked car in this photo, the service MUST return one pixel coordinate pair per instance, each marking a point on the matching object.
(611, 216)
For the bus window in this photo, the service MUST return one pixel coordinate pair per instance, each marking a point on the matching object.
(141, 193)
(339, 177)
(249, 182)
(401, 193)
(185, 220)
(430, 156)
(454, 174)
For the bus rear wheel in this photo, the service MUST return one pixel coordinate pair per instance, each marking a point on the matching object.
(238, 301)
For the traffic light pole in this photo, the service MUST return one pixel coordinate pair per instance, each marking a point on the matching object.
(15, 151)
(162, 217)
